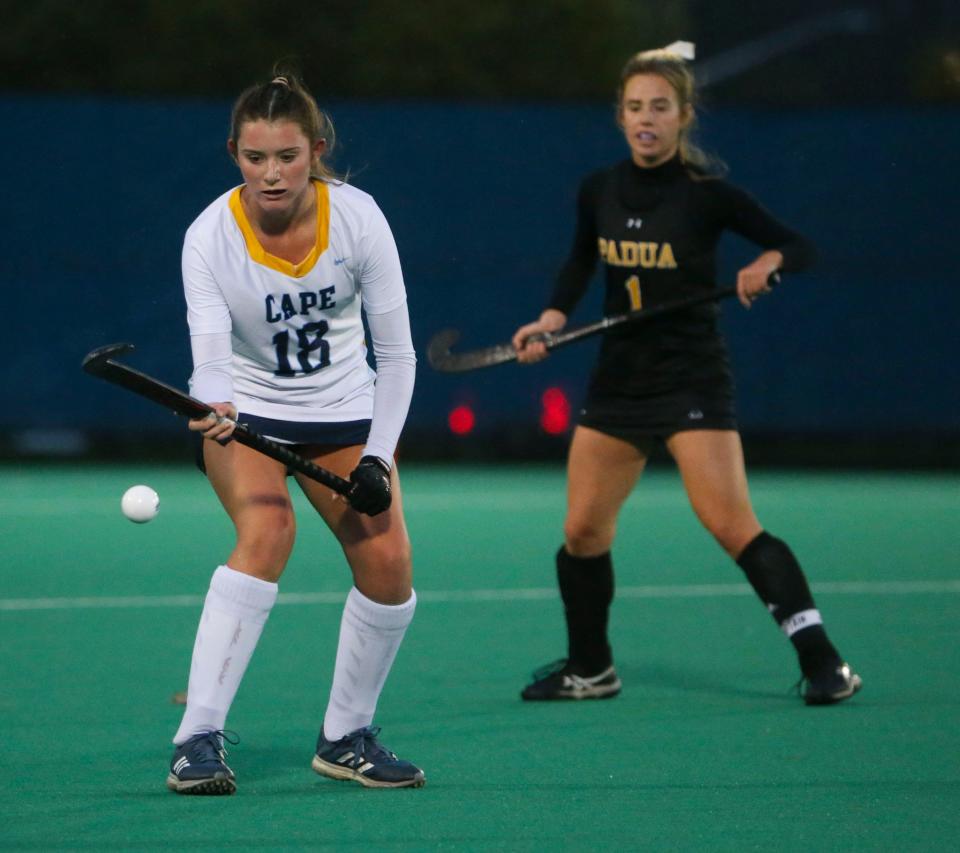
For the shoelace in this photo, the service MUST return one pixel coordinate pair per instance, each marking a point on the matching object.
(202, 746)
(364, 745)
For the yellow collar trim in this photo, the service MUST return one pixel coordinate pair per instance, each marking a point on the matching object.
(262, 256)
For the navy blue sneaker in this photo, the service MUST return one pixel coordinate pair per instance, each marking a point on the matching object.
(561, 680)
(360, 757)
(834, 684)
(198, 766)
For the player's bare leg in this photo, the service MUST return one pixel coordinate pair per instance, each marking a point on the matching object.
(377, 548)
(601, 473)
(712, 468)
(253, 491)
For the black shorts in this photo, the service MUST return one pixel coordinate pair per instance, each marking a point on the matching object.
(642, 420)
(295, 435)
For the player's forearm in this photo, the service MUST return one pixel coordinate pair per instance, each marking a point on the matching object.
(798, 254)
(212, 379)
(396, 373)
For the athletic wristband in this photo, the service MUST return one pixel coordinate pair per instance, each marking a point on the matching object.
(377, 461)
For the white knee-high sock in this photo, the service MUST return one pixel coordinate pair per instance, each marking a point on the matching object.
(234, 613)
(370, 634)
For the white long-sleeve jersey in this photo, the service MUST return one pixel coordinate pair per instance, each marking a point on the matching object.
(286, 341)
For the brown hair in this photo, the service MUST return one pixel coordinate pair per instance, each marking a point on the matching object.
(674, 69)
(285, 98)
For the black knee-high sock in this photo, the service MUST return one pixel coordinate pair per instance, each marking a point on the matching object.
(777, 578)
(586, 587)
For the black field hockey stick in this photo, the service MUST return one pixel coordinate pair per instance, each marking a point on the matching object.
(440, 357)
(102, 364)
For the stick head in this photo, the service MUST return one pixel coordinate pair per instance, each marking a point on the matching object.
(94, 361)
(440, 357)
(438, 350)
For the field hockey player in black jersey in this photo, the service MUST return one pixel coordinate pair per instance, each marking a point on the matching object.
(655, 220)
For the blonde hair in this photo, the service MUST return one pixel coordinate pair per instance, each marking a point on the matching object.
(673, 68)
(286, 98)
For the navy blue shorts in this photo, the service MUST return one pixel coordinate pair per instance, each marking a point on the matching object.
(336, 432)
(295, 435)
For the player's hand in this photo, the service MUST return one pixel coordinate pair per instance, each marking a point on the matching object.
(529, 351)
(371, 493)
(755, 280)
(219, 424)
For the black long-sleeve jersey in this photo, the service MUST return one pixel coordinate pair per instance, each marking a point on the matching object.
(656, 231)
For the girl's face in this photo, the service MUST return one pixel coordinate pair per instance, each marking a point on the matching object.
(274, 159)
(651, 119)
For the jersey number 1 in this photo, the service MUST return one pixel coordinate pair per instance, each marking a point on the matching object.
(310, 340)
(632, 285)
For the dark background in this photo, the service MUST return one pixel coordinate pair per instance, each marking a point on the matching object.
(472, 124)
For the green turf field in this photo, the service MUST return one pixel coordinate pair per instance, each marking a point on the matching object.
(706, 748)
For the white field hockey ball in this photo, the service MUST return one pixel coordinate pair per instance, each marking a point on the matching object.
(140, 504)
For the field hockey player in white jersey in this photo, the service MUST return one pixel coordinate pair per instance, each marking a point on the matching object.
(275, 273)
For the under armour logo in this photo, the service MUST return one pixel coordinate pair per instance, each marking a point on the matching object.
(695, 415)
(634, 223)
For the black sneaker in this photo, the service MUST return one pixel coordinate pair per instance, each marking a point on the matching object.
(198, 766)
(360, 757)
(558, 680)
(834, 684)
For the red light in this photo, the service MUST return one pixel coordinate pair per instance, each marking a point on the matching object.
(554, 423)
(461, 420)
(554, 398)
(555, 417)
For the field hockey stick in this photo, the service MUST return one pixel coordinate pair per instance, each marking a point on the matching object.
(440, 357)
(101, 363)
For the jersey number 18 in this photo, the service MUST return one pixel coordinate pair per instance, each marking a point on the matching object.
(310, 340)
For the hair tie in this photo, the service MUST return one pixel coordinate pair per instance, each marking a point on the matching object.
(282, 81)
(684, 49)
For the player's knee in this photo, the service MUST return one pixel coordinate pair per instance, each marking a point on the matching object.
(586, 538)
(268, 527)
(391, 561)
(384, 572)
(732, 533)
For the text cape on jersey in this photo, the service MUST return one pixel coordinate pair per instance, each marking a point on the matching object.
(656, 231)
(297, 339)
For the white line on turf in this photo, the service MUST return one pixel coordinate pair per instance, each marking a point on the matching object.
(534, 500)
(466, 596)
(74, 508)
